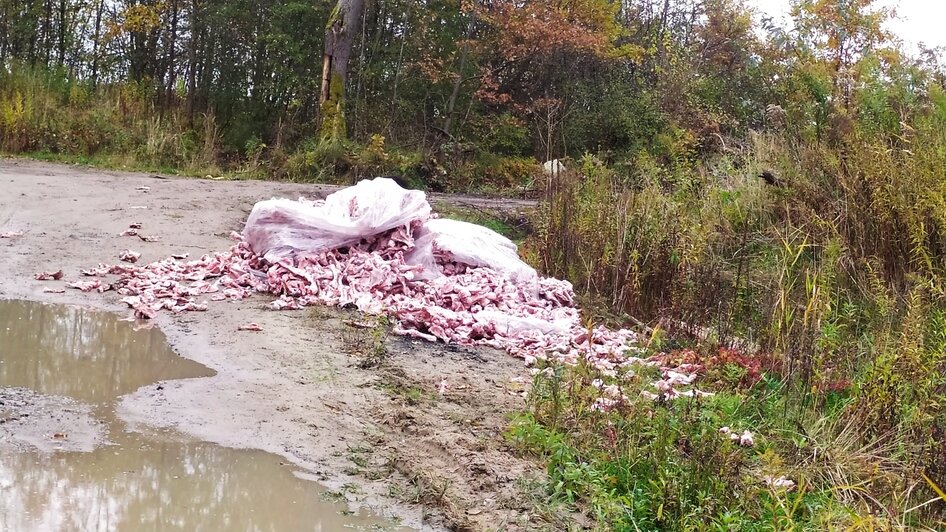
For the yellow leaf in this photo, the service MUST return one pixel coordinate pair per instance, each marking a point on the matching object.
(937, 489)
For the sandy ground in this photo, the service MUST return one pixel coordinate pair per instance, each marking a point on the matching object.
(363, 411)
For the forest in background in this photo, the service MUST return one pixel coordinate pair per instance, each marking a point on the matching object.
(456, 95)
(813, 297)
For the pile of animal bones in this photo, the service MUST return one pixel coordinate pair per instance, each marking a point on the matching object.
(379, 248)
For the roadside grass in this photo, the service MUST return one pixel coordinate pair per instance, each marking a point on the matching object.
(49, 116)
(365, 339)
(817, 310)
(666, 465)
(397, 385)
(109, 162)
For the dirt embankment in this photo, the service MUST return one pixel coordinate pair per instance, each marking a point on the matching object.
(407, 428)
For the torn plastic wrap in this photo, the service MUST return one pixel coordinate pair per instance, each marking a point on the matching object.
(281, 228)
(442, 240)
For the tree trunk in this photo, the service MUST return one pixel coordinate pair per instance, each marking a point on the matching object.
(257, 91)
(458, 83)
(172, 56)
(661, 43)
(5, 32)
(96, 44)
(47, 31)
(61, 44)
(339, 37)
(193, 32)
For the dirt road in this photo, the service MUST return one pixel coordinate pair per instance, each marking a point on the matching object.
(405, 428)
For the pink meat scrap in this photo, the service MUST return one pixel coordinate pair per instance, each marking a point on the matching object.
(468, 306)
(129, 256)
(48, 276)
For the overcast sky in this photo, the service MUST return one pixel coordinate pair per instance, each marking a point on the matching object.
(917, 20)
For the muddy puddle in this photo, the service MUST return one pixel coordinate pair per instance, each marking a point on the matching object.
(68, 463)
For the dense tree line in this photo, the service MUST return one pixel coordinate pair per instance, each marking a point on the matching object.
(245, 61)
(543, 78)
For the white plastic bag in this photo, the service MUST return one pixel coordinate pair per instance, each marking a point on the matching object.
(466, 243)
(281, 228)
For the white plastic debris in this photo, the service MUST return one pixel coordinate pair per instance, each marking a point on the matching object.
(281, 228)
(553, 168)
(443, 240)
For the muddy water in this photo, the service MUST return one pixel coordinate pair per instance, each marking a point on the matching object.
(148, 480)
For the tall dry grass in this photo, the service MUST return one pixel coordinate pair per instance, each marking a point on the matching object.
(48, 114)
(835, 280)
